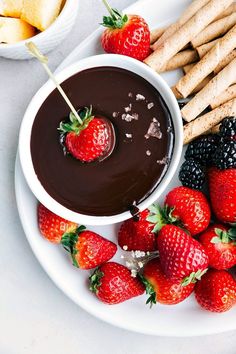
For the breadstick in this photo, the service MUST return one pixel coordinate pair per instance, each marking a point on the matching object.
(214, 30)
(218, 84)
(197, 89)
(188, 67)
(188, 13)
(181, 59)
(186, 33)
(202, 124)
(205, 48)
(222, 64)
(207, 64)
(225, 96)
(227, 12)
(176, 93)
(214, 130)
(202, 84)
(156, 33)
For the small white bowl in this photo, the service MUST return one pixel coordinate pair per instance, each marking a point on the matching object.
(31, 112)
(48, 39)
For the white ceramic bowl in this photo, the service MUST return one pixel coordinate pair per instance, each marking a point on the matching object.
(26, 127)
(48, 39)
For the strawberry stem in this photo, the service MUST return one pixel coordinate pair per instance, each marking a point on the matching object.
(116, 18)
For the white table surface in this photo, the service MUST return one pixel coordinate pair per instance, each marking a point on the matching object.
(36, 317)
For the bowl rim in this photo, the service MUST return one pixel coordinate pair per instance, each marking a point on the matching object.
(41, 34)
(26, 127)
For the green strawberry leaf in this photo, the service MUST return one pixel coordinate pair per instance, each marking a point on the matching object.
(232, 233)
(73, 125)
(193, 277)
(224, 236)
(161, 216)
(149, 291)
(215, 240)
(115, 20)
(69, 240)
(95, 280)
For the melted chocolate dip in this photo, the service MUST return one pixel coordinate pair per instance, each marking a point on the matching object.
(144, 143)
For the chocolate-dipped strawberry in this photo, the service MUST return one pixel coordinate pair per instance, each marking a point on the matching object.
(88, 139)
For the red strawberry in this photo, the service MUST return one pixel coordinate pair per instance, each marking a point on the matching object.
(180, 254)
(112, 283)
(216, 291)
(219, 244)
(222, 185)
(88, 249)
(137, 235)
(52, 226)
(126, 34)
(191, 207)
(90, 140)
(161, 288)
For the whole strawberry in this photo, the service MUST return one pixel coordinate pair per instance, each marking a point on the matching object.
(222, 185)
(181, 256)
(112, 283)
(89, 141)
(216, 291)
(137, 235)
(88, 249)
(219, 244)
(125, 34)
(191, 207)
(161, 288)
(52, 226)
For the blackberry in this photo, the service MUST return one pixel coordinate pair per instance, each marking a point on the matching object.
(228, 127)
(191, 174)
(225, 155)
(202, 149)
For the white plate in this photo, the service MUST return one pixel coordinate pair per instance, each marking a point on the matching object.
(185, 319)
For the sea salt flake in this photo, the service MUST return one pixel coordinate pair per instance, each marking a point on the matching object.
(128, 108)
(140, 264)
(150, 105)
(134, 273)
(129, 136)
(128, 117)
(115, 114)
(130, 94)
(140, 97)
(148, 153)
(164, 161)
(154, 130)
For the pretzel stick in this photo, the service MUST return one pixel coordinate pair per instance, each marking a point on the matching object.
(202, 124)
(214, 30)
(181, 59)
(207, 64)
(156, 33)
(205, 48)
(222, 64)
(218, 84)
(188, 13)
(225, 96)
(227, 12)
(186, 33)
